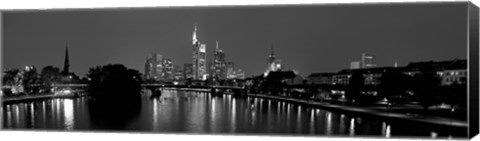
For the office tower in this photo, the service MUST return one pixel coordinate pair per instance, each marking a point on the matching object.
(230, 70)
(167, 70)
(199, 62)
(355, 65)
(188, 71)
(219, 65)
(368, 60)
(154, 66)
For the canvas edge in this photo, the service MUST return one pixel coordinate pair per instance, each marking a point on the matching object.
(473, 65)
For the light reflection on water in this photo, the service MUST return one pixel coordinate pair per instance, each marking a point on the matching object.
(199, 112)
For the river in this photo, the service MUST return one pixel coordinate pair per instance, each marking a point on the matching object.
(199, 112)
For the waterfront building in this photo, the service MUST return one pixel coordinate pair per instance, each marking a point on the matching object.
(450, 71)
(320, 78)
(372, 76)
(154, 66)
(342, 77)
(188, 71)
(368, 61)
(199, 59)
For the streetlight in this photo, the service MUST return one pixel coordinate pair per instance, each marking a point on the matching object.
(451, 115)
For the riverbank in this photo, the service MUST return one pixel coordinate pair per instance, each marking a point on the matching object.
(6, 100)
(369, 111)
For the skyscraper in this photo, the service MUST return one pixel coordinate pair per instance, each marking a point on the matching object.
(230, 70)
(368, 61)
(167, 70)
(154, 66)
(188, 71)
(178, 73)
(355, 65)
(219, 64)
(199, 61)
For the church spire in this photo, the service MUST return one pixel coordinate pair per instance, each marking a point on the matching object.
(272, 53)
(66, 65)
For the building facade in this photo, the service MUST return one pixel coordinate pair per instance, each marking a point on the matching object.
(167, 69)
(219, 70)
(355, 65)
(154, 66)
(178, 73)
(230, 70)
(320, 78)
(273, 64)
(188, 71)
(199, 61)
(368, 61)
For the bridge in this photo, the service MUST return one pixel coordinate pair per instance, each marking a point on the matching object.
(157, 88)
(213, 89)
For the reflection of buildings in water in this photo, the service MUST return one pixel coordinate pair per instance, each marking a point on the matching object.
(352, 127)
(44, 113)
(17, 116)
(342, 124)
(234, 114)
(213, 122)
(329, 124)
(9, 116)
(31, 115)
(299, 123)
(288, 115)
(387, 132)
(312, 121)
(68, 110)
(155, 114)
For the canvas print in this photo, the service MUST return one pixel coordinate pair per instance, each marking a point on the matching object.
(342, 70)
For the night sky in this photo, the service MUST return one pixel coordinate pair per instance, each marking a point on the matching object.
(308, 39)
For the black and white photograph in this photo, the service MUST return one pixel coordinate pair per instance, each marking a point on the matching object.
(386, 70)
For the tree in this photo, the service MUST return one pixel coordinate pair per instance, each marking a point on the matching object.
(357, 81)
(115, 92)
(30, 77)
(454, 94)
(425, 86)
(393, 85)
(9, 77)
(113, 81)
(50, 75)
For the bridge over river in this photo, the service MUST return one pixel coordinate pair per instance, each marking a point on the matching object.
(156, 89)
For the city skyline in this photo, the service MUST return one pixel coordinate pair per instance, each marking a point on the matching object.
(303, 36)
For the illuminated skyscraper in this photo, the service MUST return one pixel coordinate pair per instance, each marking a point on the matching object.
(355, 65)
(167, 70)
(219, 64)
(178, 73)
(230, 70)
(154, 66)
(188, 71)
(199, 62)
(368, 61)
